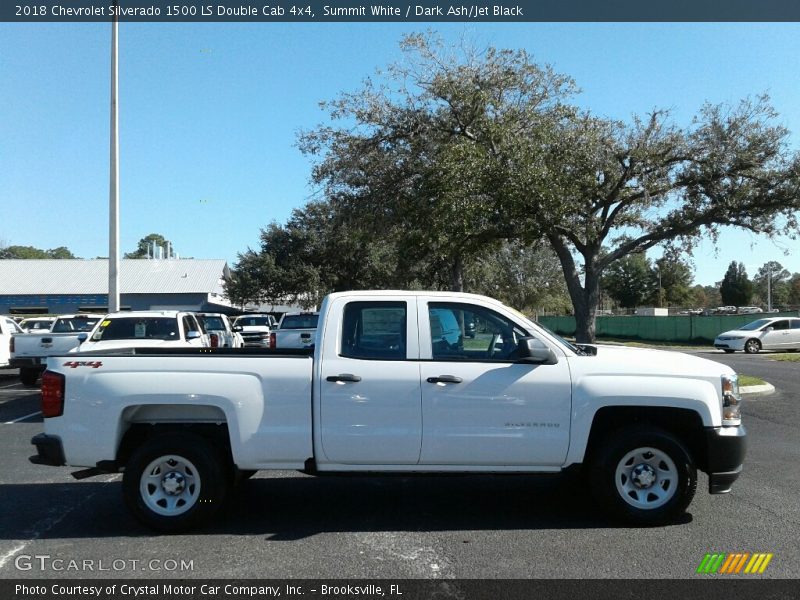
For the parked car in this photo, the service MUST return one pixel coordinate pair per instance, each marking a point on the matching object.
(29, 351)
(726, 310)
(379, 395)
(8, 329)
(147, 329)
(220, 331)
(255, 329)
(295, 330)
(37, 324)
(749, 310)
(764, 334)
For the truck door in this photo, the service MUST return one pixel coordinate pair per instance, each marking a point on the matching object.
(479, 406)
(370, 399)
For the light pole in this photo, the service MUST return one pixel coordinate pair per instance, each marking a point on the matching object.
(113, 195)
(769, 288)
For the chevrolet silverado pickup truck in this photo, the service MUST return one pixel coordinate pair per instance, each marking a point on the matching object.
(393, 386)
(295, 330)
(29, 351)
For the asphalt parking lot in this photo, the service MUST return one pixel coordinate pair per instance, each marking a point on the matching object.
(288, 525)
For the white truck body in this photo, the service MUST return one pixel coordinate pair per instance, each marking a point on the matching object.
(390, 389)
(31, 350)
(8, 328)
(218, 324)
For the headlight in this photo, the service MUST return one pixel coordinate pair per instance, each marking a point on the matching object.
(731, 401)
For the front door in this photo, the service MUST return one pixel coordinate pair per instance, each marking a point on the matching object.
(370, 405)
(778, 336)
(479, 406)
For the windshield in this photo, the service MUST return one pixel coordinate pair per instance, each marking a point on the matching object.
(755, 325)
(213, 323)
(253, 322)
(73, 324)
(137, 328)
(299, 322)
(36, 325)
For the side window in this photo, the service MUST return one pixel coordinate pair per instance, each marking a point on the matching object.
(374, 330)
(778, 325)
(796, 324)
(188, 325)
(465, 332)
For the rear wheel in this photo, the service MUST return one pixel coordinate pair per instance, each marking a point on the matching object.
(644, 475)
(29, 375)
(175, 481)
(752, 346)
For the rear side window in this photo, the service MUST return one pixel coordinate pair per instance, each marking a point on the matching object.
(796, 324)
(299, 322)
(374, 330)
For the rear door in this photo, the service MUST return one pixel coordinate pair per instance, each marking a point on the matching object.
(370, 400)
(479, 406)
(794, 335)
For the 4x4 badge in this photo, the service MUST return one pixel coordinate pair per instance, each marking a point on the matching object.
(74, 364)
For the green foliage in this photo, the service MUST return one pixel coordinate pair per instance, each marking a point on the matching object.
(29, 252)
(772, 281)
(673, 276)
(629, 281)
(736, 288)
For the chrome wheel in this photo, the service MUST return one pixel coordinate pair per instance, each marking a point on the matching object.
(646, 478)
(752, 346)
(170, 485)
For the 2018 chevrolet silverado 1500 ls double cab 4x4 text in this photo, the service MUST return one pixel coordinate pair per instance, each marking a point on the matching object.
(394, 387)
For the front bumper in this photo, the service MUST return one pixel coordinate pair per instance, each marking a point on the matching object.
(725, 450)
(49, 450)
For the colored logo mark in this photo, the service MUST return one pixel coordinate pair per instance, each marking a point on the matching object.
(735, 563)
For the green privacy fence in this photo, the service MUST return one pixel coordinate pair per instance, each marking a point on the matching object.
(660, 329)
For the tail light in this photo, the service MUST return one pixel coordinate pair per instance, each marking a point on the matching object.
(52, 394)
(214, 340)
(272, 341)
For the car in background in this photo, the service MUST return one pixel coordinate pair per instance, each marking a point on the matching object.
(37, 324)
(8, 329)
(30, 351)
(147, 329)
(255, 329)
(775, 333)
(749, 310)
(295, 330)
(220, 331)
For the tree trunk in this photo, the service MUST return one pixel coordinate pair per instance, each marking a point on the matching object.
(586, 297)
(457, 275)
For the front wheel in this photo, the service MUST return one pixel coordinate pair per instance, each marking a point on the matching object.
(175, 481)
(644, 475)
(752, 346)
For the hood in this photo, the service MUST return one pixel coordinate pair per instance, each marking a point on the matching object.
(740, 333)
(632, 361)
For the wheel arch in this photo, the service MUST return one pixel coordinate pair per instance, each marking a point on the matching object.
(684, 423)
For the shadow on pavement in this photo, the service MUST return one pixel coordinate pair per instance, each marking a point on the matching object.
(297, 507)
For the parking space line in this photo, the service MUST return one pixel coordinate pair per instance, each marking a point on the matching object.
(38, 412)
(3, 387)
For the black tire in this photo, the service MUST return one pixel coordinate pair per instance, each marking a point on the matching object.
(679, 479)
(200, 463)
(29, 375)
(752, 346)
(729, 351)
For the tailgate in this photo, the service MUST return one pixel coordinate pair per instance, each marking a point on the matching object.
(295, 338)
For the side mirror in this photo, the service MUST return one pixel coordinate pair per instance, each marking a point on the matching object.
(238, 328)
(534, 351)
(82, 337)
(193, 335)
(768, 329)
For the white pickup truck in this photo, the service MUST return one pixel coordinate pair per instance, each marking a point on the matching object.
(29, 351)
(393, 387)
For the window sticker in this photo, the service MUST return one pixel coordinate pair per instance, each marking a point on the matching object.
(139, 330)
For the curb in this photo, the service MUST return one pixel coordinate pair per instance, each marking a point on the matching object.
(757, 390)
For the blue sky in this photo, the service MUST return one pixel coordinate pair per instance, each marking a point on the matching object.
(209, 115)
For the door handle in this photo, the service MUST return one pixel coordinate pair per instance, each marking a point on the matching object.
(343, 377)
(445, 379)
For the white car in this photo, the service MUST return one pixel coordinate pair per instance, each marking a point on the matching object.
(37, 324)
(749, 310)
(146, 329)
(764, 334)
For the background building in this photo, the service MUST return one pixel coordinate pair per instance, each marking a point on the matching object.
(67, 286)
